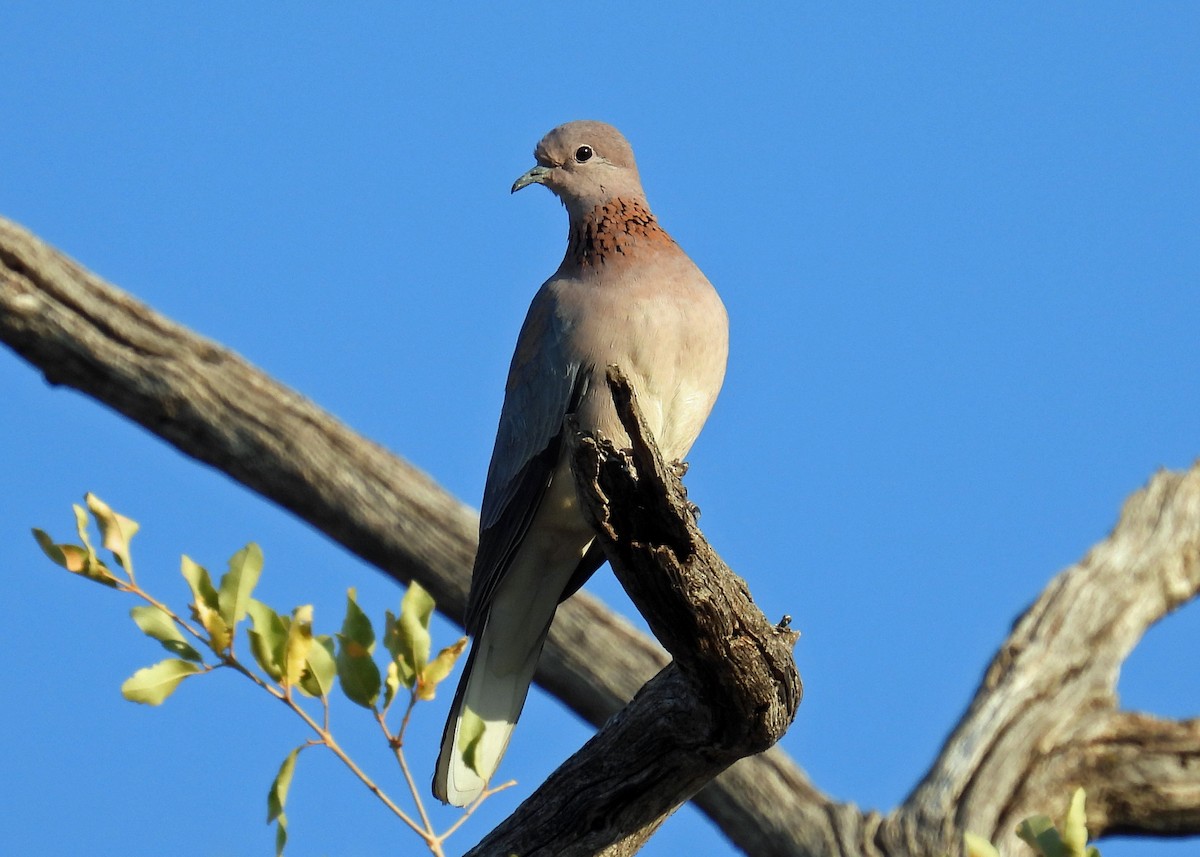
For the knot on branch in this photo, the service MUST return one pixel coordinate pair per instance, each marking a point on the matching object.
(739, 663)
(643, 500)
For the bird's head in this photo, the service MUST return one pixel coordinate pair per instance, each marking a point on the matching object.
(585, 164)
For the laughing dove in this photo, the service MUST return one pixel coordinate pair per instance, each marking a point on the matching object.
(625, 294)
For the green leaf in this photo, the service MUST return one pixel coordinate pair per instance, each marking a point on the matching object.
(200, 583)
(356, 668)
(356, 626)
(415, 609)
(267, 638)
(155, 623)
(437, 669)
(71, 561)
(1038, 832)
(239, 581)
(299, 643)
(319, 668)
(152, 685)
(359, 675)
(206, 605)
(281, 834)
(393, 639)
(116, 531)
(277, 797)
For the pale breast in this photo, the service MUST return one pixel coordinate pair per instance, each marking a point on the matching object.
(665, 326)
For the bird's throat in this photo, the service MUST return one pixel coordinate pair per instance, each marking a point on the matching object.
(611, 232)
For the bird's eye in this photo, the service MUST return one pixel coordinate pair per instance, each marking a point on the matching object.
(583, 153)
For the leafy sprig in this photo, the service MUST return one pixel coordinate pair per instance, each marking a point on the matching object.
(290, 661)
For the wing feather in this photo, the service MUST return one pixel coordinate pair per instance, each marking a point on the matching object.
(544, 383)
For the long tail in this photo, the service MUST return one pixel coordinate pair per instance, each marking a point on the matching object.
(490, 696)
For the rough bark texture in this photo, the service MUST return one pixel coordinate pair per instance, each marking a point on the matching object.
(1046, 711)
(731, 691)
(1043, 720)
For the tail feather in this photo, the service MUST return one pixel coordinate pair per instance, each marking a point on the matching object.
(519, 609)
(491, 694)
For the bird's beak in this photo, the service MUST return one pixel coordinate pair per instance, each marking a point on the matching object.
(537, 175)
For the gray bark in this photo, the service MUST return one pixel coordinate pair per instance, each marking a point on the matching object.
(732, 689)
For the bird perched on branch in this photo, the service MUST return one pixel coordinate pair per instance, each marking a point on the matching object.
(625, 294)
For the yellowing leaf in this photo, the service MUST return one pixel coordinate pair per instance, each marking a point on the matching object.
(116, 531)
(199, 582)
(319, 668)
(393, 639)
(436, 670)
(81, 527)
(206, 605)
(1074, 832)
(299, 642)
(415, 609)
(74, 559)
(391, 683)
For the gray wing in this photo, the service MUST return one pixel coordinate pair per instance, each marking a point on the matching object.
(545, 382)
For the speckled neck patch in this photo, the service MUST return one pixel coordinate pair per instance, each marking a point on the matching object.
(610, 231)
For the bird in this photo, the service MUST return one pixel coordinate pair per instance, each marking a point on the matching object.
(624, 294)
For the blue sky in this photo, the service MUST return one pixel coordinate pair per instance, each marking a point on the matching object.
(959, 251)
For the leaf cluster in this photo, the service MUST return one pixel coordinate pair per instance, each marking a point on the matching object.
(291, 658)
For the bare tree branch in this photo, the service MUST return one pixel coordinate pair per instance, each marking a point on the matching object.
(1043, 720)
(1051, 690)
(732, 690)
(1142, 774)
(212, 405)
